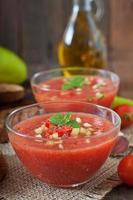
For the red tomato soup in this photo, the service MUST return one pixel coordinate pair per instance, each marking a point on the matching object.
(94, 89)
(64, 149)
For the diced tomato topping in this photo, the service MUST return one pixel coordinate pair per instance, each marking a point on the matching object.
(67, 129)
(60, 131)
(93, 81)
(63, 130)
(47, 134)
(47, 124)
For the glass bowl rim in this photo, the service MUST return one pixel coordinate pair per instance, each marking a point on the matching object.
(12, 130)
(36, 75)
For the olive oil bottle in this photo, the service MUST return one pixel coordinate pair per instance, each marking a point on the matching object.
(83, 44)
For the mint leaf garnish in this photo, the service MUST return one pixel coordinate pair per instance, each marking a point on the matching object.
(74, 82)
(56, 119)
(67, 117)
(73, 124)
(60, 120)
(67, 86)
(77, 81)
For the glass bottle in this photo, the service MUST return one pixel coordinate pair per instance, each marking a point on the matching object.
(83, 44)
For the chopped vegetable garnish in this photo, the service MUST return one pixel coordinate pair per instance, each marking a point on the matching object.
(87, 81)
(87, 125)
(78, 90)
(89, 133)
(61, 146)
(55, 136)
(74, 82)
(60, 126)
(101, 82)
(83, 131)
(78, 119)
(75, 132)
(40, 129)
(47, 124)
(96, 86)
(99, 95)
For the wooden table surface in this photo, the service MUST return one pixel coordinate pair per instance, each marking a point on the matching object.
(121, 192)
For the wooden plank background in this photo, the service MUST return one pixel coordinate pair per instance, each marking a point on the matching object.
(33, 29)
(121, 43)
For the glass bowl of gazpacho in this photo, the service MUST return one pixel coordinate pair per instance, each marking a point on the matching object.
(77, 84)
(63, 144)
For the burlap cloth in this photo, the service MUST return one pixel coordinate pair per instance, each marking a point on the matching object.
(20, 185)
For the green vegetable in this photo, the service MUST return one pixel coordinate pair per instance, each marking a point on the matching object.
(75, 82)
(121, 100)
(73, 123)
(12, 68)
(67, 117)
(60, 120)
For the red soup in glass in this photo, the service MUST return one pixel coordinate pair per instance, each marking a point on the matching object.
(76, 84)
(63, 144)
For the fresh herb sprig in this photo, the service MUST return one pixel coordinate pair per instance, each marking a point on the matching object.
(75, 82)
(60, 120)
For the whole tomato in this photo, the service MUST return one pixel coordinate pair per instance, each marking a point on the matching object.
(125, 170)
(126, 114)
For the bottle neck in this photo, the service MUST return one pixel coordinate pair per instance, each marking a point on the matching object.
(83, 4)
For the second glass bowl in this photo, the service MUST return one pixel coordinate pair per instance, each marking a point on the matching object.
(99, 87)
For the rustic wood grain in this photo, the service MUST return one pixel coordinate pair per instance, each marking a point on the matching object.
(121, 26)
(121, 43)
(33, 28)
(9, 21)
